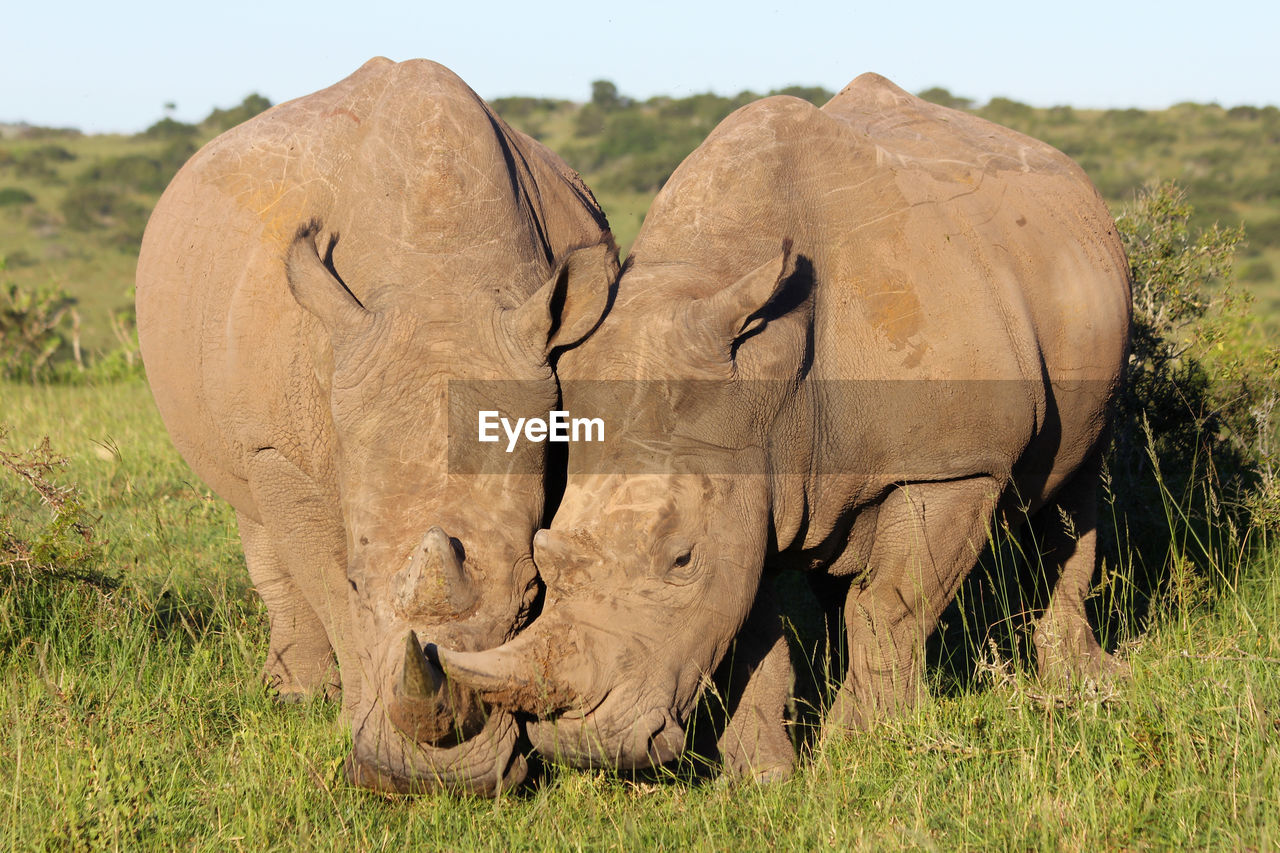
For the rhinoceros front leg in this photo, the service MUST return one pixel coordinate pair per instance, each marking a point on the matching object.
(755, 744)
(1066, 534)
(300, 660)
(928, 537)
(305, 587)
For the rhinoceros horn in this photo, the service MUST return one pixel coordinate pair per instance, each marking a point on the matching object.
(420, 705)
(518, 675)
(419, 678)
(435, 583)
(434, 587)
(430, 708)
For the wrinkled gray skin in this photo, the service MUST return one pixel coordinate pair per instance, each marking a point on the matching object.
(908, 322)
(308, 286)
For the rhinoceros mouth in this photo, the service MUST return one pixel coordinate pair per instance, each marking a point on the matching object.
(654, 738)
(383, 759)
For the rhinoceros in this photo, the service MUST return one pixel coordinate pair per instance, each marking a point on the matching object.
(847, 340)
(309, 284)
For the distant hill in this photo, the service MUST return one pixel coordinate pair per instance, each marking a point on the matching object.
(73, 206)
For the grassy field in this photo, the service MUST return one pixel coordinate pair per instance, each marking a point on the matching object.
(134, 717)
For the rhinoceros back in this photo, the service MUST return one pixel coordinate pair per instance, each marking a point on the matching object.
(974, 272)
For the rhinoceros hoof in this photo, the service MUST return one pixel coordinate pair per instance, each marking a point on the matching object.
(1083, 670)
(770, 775)
(1068, 653)
(767, 763)
(293, 695)
(773, 775)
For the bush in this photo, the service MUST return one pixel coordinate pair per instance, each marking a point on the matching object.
(38, 163)
(220, 120)
(140, 173)
(31, 337)
(1194, 435)
(13, 196)
(518, 107)
(169, 128)
(91, 207)
(36, 345)
(1005, 110)
(45, 530)
(943, 97)
(1244, 113)
(589, 121)
(815, 95)
(604, 95)
(1062, 114)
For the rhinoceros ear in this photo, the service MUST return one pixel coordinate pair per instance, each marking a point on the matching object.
(766, 293)
(572, 302)
(316, 285)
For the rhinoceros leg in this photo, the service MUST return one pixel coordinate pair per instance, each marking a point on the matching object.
(300, 659)
(1066, 533)
(308, 578)
(755, 744)
(928, 537)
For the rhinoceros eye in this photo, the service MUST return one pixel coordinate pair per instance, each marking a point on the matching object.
(682, 569)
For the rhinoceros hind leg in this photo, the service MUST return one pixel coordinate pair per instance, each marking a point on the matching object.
(1066, 535)
(300, 661)
(928, 537)
(755, 745)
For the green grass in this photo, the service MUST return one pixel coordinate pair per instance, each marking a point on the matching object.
(134, 718)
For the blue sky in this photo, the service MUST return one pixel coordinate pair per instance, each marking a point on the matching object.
(104, 66)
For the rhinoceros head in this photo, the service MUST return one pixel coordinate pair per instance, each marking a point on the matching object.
(656, 551)
(432, 552)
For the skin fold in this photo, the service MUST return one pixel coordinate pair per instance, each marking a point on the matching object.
(847, 341)
(310, 285)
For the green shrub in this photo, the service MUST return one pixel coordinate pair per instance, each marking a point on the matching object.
(1062, 114)
(31, 331)
(1194, 434)
(90, 207)
(139, 173)
(130, 172)
(519, 107)
(1005, 110)
(604, 95)
(815, 95)
(13, 196)
(220, 119)
(943, 97)
(45, 530)
(589, 121)
(169, 128)
(36, 345)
